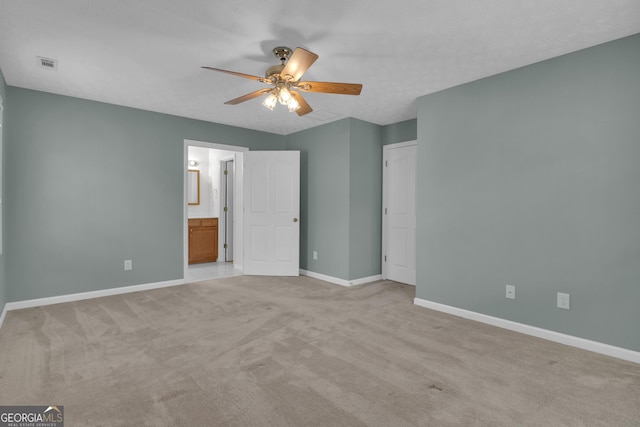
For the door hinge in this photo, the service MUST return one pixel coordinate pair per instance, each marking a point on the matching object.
(385, 258)
(225, 209)
(226, 172)
(385, 211)
(386, 163)
(225, 246)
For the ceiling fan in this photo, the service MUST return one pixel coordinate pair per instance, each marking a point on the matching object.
(285, 81)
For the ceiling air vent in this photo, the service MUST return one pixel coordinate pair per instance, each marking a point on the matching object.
(49, 64)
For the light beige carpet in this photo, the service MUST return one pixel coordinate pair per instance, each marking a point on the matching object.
(255, 351)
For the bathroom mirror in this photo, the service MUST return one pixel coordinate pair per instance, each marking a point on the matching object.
(193, 187)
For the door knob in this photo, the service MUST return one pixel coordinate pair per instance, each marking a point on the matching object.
(295, 219)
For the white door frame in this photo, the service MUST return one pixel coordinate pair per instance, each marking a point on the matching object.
(385, 151)
(222, 222)
(237, 217)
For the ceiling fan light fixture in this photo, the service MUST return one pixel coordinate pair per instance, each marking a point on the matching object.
(284, 96)
(293, 105)
(270, 101)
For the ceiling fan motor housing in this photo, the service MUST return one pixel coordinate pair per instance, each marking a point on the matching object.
(274, 71)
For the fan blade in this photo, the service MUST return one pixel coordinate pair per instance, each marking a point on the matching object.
(249, 96)
(331, 87)
(300, 61)
(305, 108)
(234, 73)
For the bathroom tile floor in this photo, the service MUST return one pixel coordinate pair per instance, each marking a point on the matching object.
(211, 270)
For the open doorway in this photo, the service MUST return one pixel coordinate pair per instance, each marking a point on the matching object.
(209, 224)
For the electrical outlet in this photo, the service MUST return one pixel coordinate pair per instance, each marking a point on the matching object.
(564, 301)
(510, 292)
(315, 255)
(128, 265)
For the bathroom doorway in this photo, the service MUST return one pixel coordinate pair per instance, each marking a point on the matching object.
(217, 165)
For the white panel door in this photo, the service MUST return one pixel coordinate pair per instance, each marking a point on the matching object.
(400, 213)
(271, 213)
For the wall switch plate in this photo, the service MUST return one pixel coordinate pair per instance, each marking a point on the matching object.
(315, 255)
(128, 265)
(564, 301)
(510, 292)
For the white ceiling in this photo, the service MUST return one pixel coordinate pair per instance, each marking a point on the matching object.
(147, 53)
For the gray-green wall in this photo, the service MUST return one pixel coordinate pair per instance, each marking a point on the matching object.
(324, 197)
(400, 132)
(341, 196)
(3, 282)
(531, 178)
(365, 199)
(90, 185)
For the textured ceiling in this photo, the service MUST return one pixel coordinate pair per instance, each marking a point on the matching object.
(148, 53)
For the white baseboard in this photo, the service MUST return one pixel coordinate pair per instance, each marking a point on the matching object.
(4, 314)
(326, 278)
(341, 282)
(366, 280)
(570, 340)
(88, 295)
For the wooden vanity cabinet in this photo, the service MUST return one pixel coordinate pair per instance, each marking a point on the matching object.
(203, 240)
